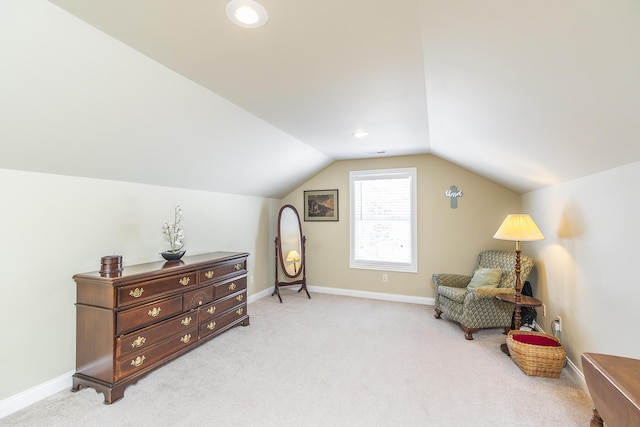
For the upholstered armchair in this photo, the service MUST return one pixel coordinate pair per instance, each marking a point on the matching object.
(471, 300)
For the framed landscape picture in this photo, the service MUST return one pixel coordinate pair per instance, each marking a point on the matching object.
(321, 205)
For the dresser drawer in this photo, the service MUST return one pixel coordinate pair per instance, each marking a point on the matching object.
(197, 298)
(147, 357)
(144, 291)
(220, 306)
(230, 287)
(221, 271)
(145, 338)
(134, 318)
(217, 323)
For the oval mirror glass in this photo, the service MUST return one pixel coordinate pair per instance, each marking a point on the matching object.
(290, 242)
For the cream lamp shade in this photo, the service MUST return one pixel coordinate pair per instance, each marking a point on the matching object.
(518, 228)
(293, 256)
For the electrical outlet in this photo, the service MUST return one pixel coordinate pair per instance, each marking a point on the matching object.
(557, 325)
(385, 278)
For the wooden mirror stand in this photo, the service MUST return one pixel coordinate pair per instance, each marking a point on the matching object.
(290, 250)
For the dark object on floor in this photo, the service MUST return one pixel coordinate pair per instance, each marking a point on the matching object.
(528, 315)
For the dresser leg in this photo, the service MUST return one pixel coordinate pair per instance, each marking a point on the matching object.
(596, 420)
(113, 395)
(110, 392)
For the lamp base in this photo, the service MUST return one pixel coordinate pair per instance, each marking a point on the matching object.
(505, 349)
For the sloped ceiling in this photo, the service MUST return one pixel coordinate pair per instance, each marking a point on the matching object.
(526, 93)
(533, 93)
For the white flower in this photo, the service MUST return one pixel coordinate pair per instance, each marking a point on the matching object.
(174, 231)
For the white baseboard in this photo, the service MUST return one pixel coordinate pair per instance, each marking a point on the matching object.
(28, 397)
(574, 371)
(357, 294)
(372, 295)
(255, 297)
(577, 376)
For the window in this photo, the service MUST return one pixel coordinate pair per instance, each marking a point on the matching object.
(383, 219)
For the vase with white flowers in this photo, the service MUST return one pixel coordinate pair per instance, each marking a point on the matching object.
(173, 233)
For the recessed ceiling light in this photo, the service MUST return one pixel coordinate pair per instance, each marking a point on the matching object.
(246, 13)
(360, 134)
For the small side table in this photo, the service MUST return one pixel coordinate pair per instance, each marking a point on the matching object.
(525, 301)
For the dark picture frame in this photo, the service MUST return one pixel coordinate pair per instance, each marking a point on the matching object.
(321, 205)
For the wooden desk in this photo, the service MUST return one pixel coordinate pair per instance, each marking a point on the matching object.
(614, 385)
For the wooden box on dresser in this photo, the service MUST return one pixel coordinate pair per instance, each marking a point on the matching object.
(131, 322)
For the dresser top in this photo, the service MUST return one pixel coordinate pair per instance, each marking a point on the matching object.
(162, 268)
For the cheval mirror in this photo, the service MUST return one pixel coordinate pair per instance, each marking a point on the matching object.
(290, 251)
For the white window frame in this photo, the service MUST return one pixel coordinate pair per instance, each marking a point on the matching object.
(407, 173)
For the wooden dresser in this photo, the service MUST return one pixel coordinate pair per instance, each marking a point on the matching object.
(131, 322)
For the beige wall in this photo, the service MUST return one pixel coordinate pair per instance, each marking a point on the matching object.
(587, 262)
(448, 239)
(55, 226)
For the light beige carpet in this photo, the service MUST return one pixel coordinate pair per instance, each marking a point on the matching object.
(331, 361)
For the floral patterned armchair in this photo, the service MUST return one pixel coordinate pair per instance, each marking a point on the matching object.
(478, 308)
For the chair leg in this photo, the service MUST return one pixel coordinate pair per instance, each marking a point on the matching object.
(468, 332)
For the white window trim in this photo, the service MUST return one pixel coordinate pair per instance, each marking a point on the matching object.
(412, 173)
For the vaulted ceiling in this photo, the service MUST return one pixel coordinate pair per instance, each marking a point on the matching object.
(526, 93)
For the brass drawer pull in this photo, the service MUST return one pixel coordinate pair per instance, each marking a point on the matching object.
(237, 266)
(139, 342)
(154, 312)
(209, 274)
(240, 297)
(185, 339)
(211, 326)
(232, 286)
(136, 293)
(211, 310)
(186, 321)
(185, 281)
(240, 311)
(138, 361)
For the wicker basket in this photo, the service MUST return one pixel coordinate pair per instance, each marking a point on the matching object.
(538, 360)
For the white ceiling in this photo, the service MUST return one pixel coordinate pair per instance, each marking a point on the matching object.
(527, 93)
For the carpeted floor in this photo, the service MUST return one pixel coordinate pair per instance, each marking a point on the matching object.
(331, 361)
